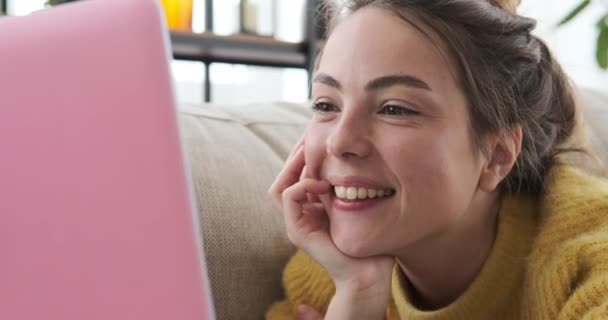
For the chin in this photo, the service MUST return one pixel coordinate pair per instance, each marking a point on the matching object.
(355, 247)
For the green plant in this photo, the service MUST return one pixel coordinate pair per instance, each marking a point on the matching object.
(601, 50)
(57, 2)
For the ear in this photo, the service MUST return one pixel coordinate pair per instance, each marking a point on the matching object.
(504, 148)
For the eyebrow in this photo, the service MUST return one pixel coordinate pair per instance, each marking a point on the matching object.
(378, 83)
(327, 80)
(389, 81)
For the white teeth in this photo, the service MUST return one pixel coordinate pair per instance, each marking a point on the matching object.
(340, 191)
(352, 193)
(361, 193)
(371, 193)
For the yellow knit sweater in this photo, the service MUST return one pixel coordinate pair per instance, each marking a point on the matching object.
(549, 261)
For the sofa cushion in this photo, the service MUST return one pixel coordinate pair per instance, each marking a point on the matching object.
(596, 116)
(235, 154)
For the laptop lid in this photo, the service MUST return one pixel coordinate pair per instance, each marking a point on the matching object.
(97, 218)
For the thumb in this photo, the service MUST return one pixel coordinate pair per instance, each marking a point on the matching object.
(306, 312)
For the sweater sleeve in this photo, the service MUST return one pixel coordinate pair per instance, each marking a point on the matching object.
(589, 302)
(570, 260)
(589, 285)
(305, 282)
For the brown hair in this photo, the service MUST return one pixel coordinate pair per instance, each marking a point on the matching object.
(507, 74)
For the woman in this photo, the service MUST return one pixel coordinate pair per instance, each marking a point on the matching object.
(429, 184)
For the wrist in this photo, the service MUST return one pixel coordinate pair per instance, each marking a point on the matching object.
(352, 303)
(377, 292)
(367, 287)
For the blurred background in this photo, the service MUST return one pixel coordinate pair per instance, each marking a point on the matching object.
(575, 43)
(283, 29)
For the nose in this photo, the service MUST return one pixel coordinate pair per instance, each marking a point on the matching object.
(350, 138)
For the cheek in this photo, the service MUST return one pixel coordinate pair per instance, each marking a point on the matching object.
(428, 162)
(415, 162)
(438, 172)
(314, 149)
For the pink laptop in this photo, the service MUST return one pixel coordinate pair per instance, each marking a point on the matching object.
(97, 215)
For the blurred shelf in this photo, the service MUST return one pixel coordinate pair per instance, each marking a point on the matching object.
(239, 49)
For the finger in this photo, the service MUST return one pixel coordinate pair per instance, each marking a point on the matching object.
(313, 198)
(306, 312)
(306, 174)
(295, 147)
(313, 208)
(318, 218)
(289, 175)
(294, 197)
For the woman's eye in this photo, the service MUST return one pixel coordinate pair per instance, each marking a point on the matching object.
(394, 110)
(324, 107)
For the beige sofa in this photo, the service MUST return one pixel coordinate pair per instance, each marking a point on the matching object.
(235, 154)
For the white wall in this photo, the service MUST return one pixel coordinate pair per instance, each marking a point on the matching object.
(574, 43)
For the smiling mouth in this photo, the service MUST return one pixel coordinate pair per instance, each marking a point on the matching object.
(361, 193)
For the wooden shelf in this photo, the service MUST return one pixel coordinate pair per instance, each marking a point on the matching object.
(242, 49)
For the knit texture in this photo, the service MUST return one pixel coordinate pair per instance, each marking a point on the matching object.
(549, 261)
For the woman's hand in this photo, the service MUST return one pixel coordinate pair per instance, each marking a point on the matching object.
(306, 312)
(364, 283)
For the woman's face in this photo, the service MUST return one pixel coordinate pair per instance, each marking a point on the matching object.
(389, 118)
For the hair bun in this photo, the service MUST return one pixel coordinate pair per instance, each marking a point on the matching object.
(509, 5)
